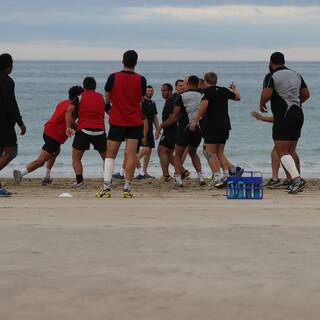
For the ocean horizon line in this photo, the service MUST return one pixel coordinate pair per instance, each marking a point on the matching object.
(161, 61)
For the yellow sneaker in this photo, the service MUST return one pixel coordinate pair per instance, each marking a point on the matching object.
(106, 194)
(127, 194)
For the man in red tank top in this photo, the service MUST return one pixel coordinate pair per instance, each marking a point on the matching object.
(54, 136)
(125, 90)
(90, 127)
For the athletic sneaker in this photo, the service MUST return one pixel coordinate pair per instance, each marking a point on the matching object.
(45, 181)
(5, 193)
(104, 193)
(118, 175)
(76, 185)
(281, 185)
(140, 177)
(127, 194)
(165, 179)
(202, 182)
(222, 183)
(271, 182)
(297, 186)
(147, 176)
(17, 176)
(209, 178)
(215, 183)
(185, 174)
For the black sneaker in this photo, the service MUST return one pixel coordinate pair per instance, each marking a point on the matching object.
(140, 177)
(118, 176)
(281, 185)
(297, 186)
(271, 182)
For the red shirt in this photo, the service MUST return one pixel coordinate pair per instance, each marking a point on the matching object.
(127, 89)
(91, 111)
(56, 127)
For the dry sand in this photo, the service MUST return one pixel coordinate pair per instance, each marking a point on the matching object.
(166, 254)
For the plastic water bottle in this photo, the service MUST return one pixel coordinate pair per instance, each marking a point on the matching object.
(231, 190)
(256, 191)
(240, 190)
(248, 191)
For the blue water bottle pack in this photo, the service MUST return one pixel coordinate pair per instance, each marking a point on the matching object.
(247, 187)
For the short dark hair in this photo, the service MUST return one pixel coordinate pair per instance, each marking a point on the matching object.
(211, 78)
(149, 87)
(277, 58)
(169, 86)
(130, 59)
(89, 83)
(177, 82)
(193, 81)
(74, 92)
(6, 61)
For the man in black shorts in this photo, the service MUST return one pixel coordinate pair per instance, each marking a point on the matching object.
(150, 112)
(186, 106)
(90, 127)
(125, 90)
(168, 137)
(54, 135)
(287, 91)
(9, 116)
(216, 125)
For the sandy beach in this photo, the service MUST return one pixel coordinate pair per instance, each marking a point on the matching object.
(166, 254)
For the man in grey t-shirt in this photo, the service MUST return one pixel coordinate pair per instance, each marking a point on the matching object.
(287, 91)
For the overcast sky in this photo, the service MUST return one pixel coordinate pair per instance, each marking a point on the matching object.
(160, 30)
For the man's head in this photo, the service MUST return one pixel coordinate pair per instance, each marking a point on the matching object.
(210, 79)
(6, 63)
(166, 90)
(130, 59)
(277, 60)
(89, 83)
(193, 82)
(74, 93)
(179, 86)
(149, 92)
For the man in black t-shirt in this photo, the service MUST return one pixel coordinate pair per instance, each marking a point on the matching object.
(9, 116)
(216, 125)
(168, 137)
(150, 112)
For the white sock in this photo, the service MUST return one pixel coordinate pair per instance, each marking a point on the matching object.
(200, 176)
(141, 172)
(121, 171)
(24, 172)
(108, 171)
(127, 185)
(288, 162)
(178, 179)
(216, 176)
(47, 175)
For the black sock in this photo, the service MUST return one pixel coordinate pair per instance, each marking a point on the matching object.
(79, 178)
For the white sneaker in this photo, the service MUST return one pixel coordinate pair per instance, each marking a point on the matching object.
(76, 185)
(215, 183)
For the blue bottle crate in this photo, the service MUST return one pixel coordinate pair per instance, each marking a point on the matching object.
(247, 187)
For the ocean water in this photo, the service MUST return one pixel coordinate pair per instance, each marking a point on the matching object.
(41, 85)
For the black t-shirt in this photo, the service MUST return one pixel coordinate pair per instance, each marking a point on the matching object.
(149, 110)
(9, 110)
(167, 110)
(216, 116)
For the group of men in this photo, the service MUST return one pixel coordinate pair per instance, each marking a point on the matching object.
(198, 109)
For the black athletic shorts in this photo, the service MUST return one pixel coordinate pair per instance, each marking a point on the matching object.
(150, 141)
(168, 138)
(289, 128)
(121, 133)
(189, 138)
(50, 145)
(216, 137)
(8, 137)
(82, 142)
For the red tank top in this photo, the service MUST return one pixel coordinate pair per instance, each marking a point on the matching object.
(55, 127)
(91, 112)
(126, 96)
